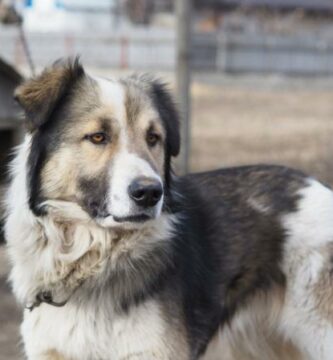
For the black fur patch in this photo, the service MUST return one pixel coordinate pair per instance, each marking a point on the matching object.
(94, 195)
(169, 115)
(167, 110)
(227, 250)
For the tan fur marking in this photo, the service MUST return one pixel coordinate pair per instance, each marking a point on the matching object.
(252, 333)
(79, 158)
(53, 355)
(38, 96)
(323, 289)
(36, 91)
(146, 117)
(140, 115)
(138, 145)
(88, 265)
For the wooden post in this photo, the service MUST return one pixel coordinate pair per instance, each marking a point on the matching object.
(183, 80)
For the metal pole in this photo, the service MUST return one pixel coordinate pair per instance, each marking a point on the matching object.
(183, 80)
(26, 49)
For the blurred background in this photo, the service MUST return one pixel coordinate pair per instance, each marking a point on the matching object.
(253, 79)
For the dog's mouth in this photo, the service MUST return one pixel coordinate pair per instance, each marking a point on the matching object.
(139, 218)
(109, 220)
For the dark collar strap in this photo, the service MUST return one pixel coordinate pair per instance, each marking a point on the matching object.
(45, 297)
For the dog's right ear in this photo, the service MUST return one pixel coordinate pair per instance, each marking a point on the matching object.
(40, 96)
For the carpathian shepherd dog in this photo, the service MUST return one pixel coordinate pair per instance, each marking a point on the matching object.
(116, 258)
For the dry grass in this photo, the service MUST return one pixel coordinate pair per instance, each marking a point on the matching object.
(237, 124)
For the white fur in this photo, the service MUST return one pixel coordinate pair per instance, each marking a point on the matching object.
(22, 229)
(307, 252)
(112, 93)
(72, 332)
(258, 206)
(312, 224)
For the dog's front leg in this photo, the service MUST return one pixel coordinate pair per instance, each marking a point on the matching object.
(307, 316)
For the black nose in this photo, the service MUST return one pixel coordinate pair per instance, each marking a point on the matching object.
(146, 192)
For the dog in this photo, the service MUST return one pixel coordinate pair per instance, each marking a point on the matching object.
(114, 257)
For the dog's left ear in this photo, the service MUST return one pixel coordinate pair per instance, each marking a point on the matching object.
(40, 96)
(169, 115)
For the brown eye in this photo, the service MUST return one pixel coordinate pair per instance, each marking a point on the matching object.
(97, 138)
(152, 138)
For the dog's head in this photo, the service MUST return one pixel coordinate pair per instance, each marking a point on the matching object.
(103, 144)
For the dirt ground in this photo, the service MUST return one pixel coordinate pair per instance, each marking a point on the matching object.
(9, 316)
(237, 120)
(274, 120)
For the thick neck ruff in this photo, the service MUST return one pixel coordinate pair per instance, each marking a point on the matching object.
(72, 251)
(53, 255)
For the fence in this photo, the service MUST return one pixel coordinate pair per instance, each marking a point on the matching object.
(274, 54)
(152, 49)
(137, 50)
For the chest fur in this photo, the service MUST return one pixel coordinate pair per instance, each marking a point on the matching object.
(90, 332)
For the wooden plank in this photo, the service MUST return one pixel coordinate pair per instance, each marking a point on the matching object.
(183, 79)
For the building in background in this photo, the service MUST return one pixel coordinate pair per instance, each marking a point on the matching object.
(70, 15)
(10, 125)
(9, 113)
(231, 36)
(267, 36)
(267, 16)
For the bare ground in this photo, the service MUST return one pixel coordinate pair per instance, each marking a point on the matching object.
(9, 316)
(288, 123)
(237, 121)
